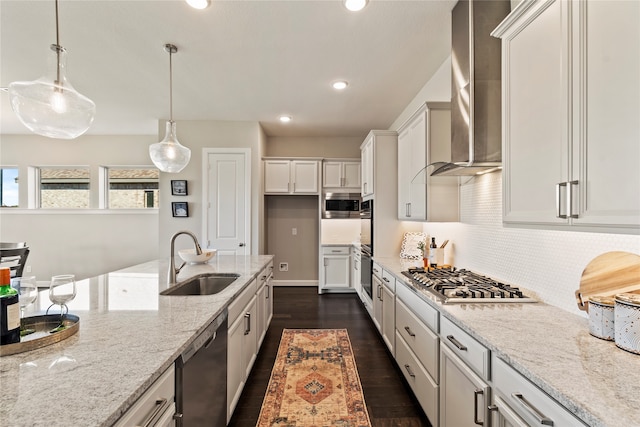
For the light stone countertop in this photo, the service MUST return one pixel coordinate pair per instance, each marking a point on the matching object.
(129, 335)
(592, 378)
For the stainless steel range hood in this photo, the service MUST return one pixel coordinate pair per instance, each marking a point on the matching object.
(476, 143)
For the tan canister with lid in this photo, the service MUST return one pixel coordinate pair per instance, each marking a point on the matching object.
(627, 322)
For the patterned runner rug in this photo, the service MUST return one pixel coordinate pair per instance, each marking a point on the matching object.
(314, 382)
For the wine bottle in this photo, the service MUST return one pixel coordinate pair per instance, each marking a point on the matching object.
(9, 310)
(433, 261)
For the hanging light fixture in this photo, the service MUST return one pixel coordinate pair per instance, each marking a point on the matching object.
(50, 106)
(169, 155)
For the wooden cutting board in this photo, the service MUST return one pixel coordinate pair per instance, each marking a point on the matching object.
(609, 274)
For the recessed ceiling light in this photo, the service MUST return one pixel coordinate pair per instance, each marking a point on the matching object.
(199, 4)
(355, 5)
(340, 85)
(285, 119)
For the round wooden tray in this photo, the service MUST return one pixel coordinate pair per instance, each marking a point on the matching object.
(42, 337)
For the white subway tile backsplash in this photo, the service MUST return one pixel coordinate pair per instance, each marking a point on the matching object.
(548, 262)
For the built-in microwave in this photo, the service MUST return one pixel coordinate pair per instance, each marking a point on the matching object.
(341, 205)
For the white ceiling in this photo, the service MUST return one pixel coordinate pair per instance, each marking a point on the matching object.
(237, 60)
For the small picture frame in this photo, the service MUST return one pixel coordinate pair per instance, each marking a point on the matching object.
(178, 187)
(180, 209)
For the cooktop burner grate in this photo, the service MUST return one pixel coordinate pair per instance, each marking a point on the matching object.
(450, 285)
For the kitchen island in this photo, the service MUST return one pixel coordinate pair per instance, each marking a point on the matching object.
(552, 348)
(129, 335)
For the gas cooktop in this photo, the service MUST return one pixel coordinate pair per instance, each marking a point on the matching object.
(450, 285)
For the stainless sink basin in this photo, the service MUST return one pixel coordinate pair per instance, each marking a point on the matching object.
(204, 284)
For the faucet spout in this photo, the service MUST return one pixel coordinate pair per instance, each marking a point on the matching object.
(173, 271)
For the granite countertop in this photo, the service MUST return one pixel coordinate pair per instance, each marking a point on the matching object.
(592, 378)
(129, 335)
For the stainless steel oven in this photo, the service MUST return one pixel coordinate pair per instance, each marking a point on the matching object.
(341, 205)
(366, 245)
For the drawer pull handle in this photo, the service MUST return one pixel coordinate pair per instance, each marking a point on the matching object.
(457, 343)
(539, 416)
(385, 279)
(247, 329)
(157, 409)
(477, 393)
(409, 371)
(408, 329)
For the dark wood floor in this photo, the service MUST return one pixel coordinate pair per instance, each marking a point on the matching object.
(388, 397)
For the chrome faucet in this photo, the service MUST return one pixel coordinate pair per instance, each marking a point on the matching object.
(173, 271)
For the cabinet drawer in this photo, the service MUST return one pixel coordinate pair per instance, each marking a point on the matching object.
(420, 339)
(241, 301)
(420, 308)
(389, 281)
(530, 403)
(376, 270)
(423, 386)
(467, 348)
(335, 250)
(154, 403)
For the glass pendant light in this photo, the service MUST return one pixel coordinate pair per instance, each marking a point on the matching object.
(50, 106)
(169, 155)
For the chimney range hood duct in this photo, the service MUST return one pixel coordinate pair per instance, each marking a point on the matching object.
(476, 143)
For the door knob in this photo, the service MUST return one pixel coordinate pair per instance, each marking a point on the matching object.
(241, 245)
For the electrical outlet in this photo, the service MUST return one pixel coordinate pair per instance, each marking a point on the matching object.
(284, 266)
(27, 269)
(294, 231)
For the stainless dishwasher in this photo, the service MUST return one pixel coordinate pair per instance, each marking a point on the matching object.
(201, 378)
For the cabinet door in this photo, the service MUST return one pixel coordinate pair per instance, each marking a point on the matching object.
(464, 397)
(412, 158)
(367, 167)
(249, 338)
(607, 129)
(269, 296)
(305, 176)
(503, 416)
(331, 174)
(388, 318)
(351, 175)
(261, 308)
(355, 271)
(337, 271)
(376, 287)
(235, 364)
(276, 176)
(536, 114)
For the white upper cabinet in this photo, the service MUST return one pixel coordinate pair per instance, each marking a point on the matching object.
(291, 176)
(379, 164)
(367, 166)
(570, 115)
(344, 175)
(425, 139)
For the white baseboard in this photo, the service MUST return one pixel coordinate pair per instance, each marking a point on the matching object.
(294, 283)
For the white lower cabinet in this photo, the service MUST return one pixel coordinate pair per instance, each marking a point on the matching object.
(156, 406)
(464, 375)
(356, 270)
(464, 396)
(241, 344)
(519, 402)
(376, 290)
(417, 348)
(264, 302)
(335, 273)
(383, 286)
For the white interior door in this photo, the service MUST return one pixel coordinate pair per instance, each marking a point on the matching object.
(227, 200)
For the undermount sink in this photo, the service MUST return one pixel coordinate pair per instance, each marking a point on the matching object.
(204, 284)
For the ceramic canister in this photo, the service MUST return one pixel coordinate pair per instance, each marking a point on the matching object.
(627, 322)
(601, 317)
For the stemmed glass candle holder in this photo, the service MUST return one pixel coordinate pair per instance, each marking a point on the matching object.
(61, 291)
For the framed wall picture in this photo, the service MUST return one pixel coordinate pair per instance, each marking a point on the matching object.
(180, 209)
(178, 187)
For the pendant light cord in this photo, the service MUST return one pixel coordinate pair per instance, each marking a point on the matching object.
(58, 48)
(170, 85)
